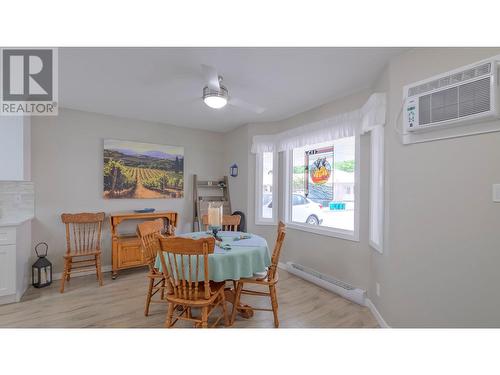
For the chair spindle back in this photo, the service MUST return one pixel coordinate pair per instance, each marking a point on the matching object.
(181, 265)
(83, 232)
(229, 222)
(149, 233)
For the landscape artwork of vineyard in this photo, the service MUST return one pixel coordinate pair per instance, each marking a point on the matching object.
(142, 170)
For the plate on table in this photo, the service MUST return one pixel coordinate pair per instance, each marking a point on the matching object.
(243, 236)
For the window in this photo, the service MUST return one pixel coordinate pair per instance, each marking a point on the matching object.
(321, 188)
(266, 207)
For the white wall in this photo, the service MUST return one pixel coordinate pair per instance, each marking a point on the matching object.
(440, 267)
(235, 152)
(68, 162)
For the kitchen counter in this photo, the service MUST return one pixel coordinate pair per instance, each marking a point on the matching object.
(13, 222)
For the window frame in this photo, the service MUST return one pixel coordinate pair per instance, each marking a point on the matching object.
(377, 176)
(325, 231)
(259, 220)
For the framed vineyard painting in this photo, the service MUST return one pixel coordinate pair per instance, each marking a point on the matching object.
(142, 170)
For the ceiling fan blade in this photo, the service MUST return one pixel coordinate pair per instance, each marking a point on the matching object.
(245, 105)
(211, 77)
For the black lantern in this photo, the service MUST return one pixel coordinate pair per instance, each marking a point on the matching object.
(234, 170)
(41, 271)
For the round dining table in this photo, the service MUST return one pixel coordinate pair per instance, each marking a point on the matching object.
(238, 255)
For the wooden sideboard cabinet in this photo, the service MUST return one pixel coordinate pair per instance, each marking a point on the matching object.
(126, 249)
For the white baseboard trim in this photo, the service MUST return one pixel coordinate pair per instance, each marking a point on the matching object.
(282, 266)
(350, 292)
(58, 276)
(380, 320)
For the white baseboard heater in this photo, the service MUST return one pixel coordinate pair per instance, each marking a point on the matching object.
(327, 282)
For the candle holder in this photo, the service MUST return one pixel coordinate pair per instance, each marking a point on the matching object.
(215, 219)
(215, 230)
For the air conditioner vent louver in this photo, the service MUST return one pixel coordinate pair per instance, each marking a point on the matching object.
(481, 70)
(453, 103)
(424, 109)
(444, 105)
(474, 97)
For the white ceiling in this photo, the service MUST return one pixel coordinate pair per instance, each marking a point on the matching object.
(165, 84)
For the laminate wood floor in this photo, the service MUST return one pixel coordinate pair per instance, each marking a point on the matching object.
(120, 304)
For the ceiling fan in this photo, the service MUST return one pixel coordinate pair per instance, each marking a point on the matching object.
(216, 96)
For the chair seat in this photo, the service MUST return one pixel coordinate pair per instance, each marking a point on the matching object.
(87, 253)
(215, 288)
(260, 275)
(260, 280)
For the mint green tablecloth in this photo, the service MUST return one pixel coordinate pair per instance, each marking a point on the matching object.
(245, 258)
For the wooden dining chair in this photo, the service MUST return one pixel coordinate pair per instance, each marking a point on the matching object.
(229, 222)
(168, 228)
(281, 226)
(269, 280)
(83, 244)
(182, 261)
(149, 233)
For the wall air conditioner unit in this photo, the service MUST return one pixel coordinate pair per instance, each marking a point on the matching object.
(461, 96)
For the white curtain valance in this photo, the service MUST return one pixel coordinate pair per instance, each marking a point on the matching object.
(347, 124)
(373, 112)
(263, 143)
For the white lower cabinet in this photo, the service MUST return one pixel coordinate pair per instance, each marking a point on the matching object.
(15, 244)
(7, 270)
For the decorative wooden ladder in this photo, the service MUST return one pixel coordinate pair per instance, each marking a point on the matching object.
(203, 194)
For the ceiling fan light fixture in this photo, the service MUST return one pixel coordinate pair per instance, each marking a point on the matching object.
(215, 99)
(215, 102)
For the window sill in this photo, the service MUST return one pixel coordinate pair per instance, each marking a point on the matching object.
(266, 222)
(376, 247)
(337, 233)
